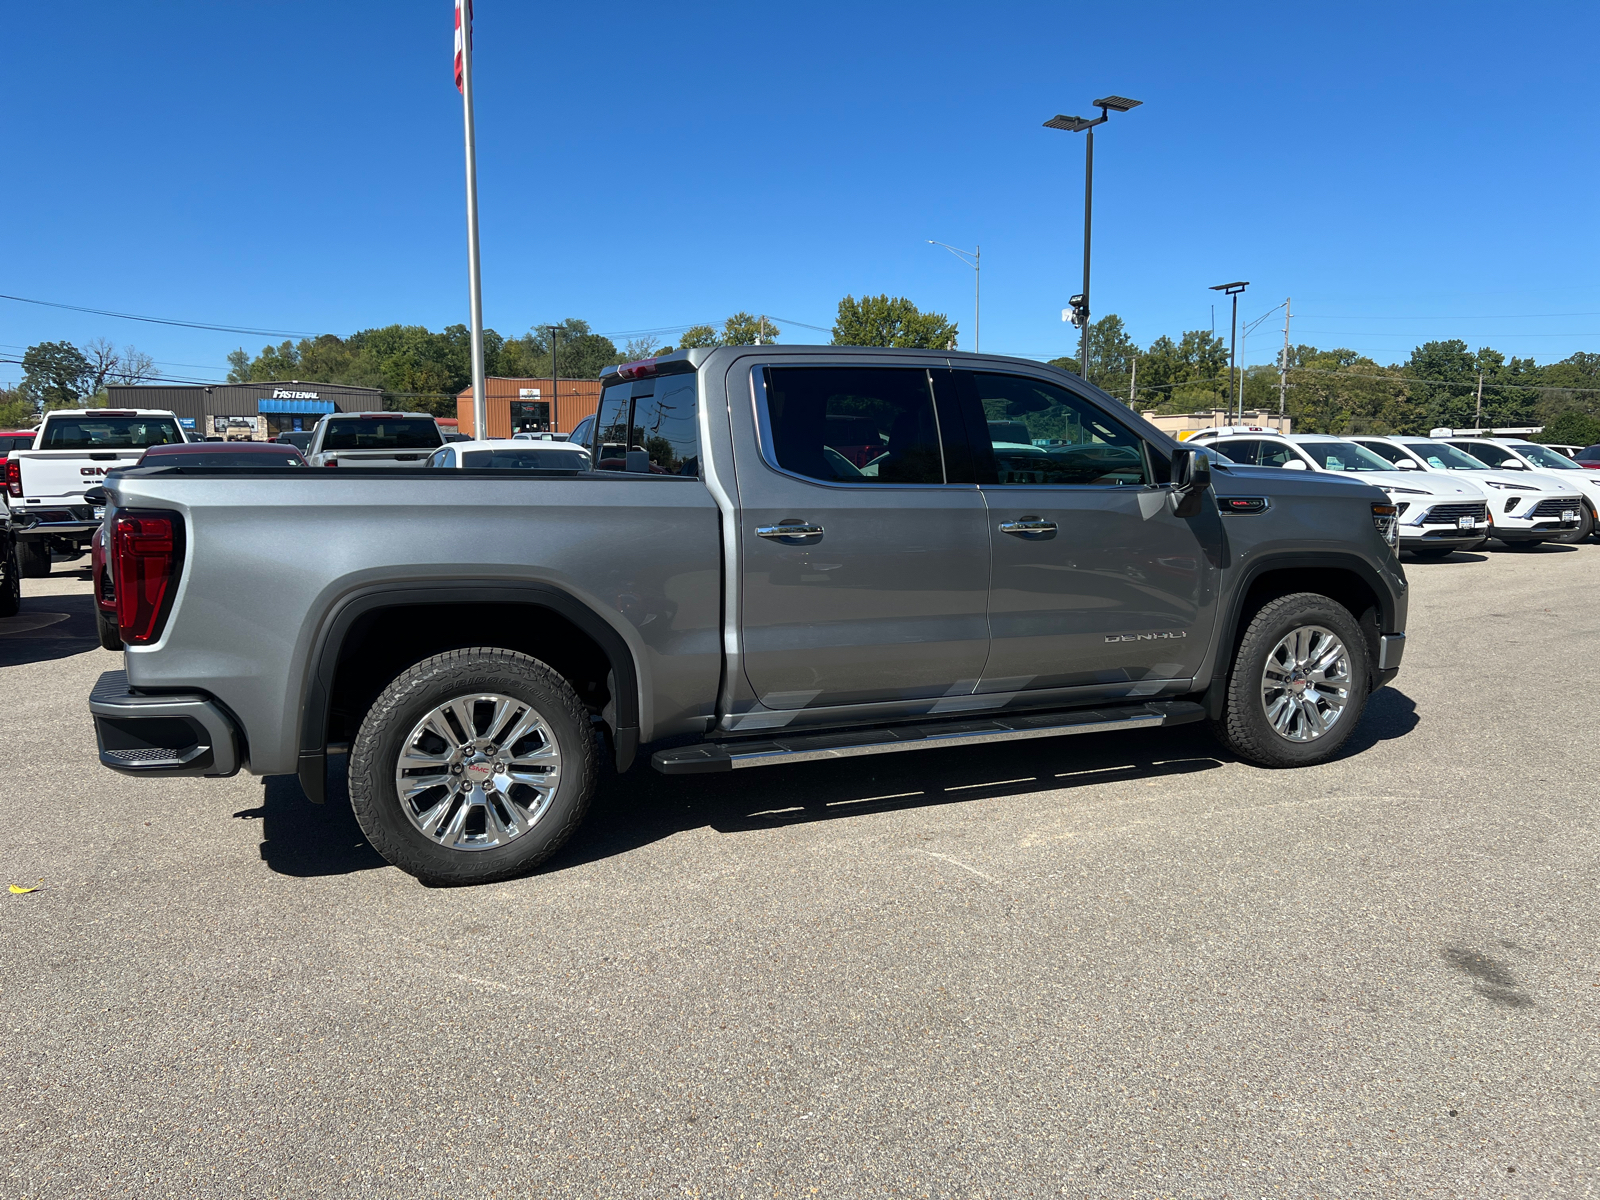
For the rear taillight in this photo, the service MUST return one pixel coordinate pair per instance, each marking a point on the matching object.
(14, 478)
(330, 462)
(146, 556)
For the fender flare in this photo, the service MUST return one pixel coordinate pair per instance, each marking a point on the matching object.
(359, 603)
(1315, 560)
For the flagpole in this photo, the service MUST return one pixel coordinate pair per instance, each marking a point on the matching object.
(480, 407)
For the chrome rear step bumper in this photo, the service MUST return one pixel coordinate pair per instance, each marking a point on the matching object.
(708, 757)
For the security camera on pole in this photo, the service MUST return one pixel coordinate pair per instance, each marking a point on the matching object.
(1080, 303)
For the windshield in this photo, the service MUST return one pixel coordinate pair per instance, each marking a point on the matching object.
(382, 433)
(1446, 458)
(1545, 458)
(111, 433)
(1343, 456)
(543, 458)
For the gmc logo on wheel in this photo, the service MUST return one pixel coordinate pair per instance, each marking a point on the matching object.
(91, 470)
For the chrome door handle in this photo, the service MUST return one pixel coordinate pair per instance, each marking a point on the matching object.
(788, 531)
(1027, 528)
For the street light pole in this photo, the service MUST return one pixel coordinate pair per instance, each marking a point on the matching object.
(1106, 105)
(555, 378)
(1233, 289)
(977, 280)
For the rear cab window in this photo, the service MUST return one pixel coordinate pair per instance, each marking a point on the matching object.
(649, 426)
(382, 433)
(110, 433)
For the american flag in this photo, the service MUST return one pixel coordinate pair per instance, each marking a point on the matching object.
(460, 45)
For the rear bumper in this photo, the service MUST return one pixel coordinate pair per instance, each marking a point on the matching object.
(186, 734)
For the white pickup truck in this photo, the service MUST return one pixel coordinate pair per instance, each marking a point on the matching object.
(73, 452)
(374, 439)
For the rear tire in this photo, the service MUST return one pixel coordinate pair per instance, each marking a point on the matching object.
(11, 584)
(34, 555)
(1298, 685)
(474, 810)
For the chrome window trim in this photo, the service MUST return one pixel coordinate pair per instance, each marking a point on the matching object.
(758, 404)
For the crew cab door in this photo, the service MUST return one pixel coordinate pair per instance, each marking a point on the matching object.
(879, 595)
(1095, 583)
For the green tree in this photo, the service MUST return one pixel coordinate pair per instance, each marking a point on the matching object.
(1571, 427)
(742, 329)
(55, 374)
(16, 410)
(1111, 356)
(697, 336)
(885, 321)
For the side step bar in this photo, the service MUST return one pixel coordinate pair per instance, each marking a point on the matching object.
(808, 747)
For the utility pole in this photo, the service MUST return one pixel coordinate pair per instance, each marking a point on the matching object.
(1283, 366)
(1477, 420)
(1133, 379)
(555, 378)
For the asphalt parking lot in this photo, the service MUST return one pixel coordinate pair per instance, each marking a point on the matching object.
(1117, 966)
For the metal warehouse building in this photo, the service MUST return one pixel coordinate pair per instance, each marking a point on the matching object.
(247, 411)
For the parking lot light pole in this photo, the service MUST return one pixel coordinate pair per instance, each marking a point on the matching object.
(1233, 289)
(1106, 105)
(555, 378)
(977, 279)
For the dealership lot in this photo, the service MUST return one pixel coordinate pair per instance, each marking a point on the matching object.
(1113, 966)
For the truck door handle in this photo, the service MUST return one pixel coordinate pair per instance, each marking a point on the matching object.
(1028, 527)
(784, 532)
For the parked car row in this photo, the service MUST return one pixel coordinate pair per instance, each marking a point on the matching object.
(1450, 493)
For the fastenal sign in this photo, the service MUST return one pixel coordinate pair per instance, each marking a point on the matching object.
(285, 394)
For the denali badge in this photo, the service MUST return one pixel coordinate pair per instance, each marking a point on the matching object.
(1171, 635)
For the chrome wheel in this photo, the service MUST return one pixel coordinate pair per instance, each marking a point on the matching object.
(1305, 686)
(478, 771)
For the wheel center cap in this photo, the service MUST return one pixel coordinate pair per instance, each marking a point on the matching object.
(1298, 685)
(478, 772)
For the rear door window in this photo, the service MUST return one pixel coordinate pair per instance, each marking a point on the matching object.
(853, 425)
(1246, 451)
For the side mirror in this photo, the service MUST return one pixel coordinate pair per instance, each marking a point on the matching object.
(1513, 464)
(1405, 464)
(95, 495)
(1296, 464)
(1191, 480)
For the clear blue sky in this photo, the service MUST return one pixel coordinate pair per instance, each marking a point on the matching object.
(1404, 171)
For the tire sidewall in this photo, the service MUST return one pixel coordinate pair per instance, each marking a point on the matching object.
(1260, 640)
(377, 747)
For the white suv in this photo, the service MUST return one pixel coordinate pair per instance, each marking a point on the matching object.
(1514, 454)
(1437, 514)
(1525, 508)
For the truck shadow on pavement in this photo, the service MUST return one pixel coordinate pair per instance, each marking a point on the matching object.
(304, 839)
(50, 627)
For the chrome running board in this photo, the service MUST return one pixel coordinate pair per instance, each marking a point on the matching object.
(848, 743)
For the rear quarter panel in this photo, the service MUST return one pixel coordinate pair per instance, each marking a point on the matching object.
(269, 561)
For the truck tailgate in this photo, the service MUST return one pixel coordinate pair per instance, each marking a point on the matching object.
(66, 474)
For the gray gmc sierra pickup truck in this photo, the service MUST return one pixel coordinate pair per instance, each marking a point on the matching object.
(783, 554)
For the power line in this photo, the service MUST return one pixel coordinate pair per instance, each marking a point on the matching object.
(101, 312)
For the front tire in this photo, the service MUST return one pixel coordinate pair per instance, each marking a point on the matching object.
(1298, 685)
(473, 766)
(34, 556)
(1582, 532)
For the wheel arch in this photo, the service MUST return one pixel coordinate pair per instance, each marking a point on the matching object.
(535, 618)
(1349, 580)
